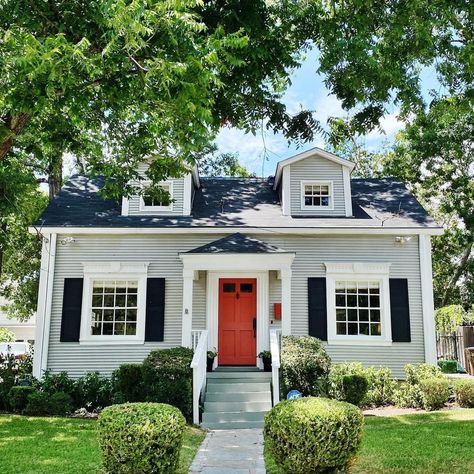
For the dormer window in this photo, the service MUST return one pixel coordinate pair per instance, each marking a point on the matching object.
(150, 202)
(316, 195)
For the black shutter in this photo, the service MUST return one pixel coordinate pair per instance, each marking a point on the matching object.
(155, 309)
(72, 307)
(400, 310)
(317, 308)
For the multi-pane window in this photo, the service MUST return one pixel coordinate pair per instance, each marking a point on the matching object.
(317, 195)
(114, 308)
(151, 200)
(358, 310)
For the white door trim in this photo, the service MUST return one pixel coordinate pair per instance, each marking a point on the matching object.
(212, 295)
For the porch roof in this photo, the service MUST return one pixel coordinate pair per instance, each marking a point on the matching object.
(237, 243)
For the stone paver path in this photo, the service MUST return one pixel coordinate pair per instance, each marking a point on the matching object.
(230, 452)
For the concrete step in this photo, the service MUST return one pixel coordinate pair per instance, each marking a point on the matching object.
(233, 425)
(238, 397)
(214, 407)
(221, 417)
(239, 375)
(238, 387)
(230, 368)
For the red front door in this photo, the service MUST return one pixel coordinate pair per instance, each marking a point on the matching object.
(237, 321)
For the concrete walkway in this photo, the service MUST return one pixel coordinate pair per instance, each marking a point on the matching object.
(230, 452)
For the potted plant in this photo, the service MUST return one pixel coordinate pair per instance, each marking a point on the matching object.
(211, 355)
(266, 357)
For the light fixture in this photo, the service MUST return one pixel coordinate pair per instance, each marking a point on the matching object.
(67, 241)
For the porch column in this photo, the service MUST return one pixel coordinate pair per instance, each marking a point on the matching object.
(285, 274)
(188, 282)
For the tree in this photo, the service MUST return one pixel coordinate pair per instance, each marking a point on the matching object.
(225, 164)
(6, 335)
(435, 154)
(448, 318)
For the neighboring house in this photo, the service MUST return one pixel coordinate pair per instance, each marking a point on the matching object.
(348, 260)
(24, 330)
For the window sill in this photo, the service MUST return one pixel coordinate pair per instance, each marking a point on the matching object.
(358, 342)
(100, 342)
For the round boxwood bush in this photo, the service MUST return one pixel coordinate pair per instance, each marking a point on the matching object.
(141, 437)
(315, 435)
(464, 390)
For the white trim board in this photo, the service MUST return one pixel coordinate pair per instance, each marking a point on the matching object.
(349, 230)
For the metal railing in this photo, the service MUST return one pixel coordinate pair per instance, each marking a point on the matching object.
(451, 346)
(275, 335)
(199, 365)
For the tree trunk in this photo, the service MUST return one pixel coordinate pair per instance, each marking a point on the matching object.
(15, 124)
(457, 274)
(55, 174)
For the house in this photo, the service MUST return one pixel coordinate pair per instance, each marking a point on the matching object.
(24, 330)
(308, 251)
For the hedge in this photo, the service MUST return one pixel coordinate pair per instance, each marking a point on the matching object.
(464, 391)
(140, 438)
(313, 434)
(168, 378)
(304, 365)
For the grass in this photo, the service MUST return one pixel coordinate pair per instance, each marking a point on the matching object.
(428, 443)
(63, 445)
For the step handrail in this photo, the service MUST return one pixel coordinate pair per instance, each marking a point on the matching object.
(199, 366)
(275, 352)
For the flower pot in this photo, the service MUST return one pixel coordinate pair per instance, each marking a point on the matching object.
(267, 365)
(210, 363)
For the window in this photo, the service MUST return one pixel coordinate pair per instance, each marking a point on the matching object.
(358, 303)
(150, 202)
(114, 300)
(358, 308)
(316, 195)
(114, 308)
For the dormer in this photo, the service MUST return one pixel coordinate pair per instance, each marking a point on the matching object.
(181, 190)
(315, 183)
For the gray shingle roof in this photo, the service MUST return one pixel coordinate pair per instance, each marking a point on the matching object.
(238, 202)
(237, 243)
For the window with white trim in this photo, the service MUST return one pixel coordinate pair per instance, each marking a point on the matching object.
(358, 303)
(148, 201)
(114, 302)
(316, 195)
(114, 308)
(358, 308)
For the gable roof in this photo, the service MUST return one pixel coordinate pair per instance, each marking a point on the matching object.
(237, 243)
(238, 203)
(308, 154)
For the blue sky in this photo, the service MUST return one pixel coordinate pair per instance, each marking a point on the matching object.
(260, 152)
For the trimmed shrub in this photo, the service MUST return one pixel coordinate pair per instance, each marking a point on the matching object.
(127, 382)
(313, 434)
(435, 393)
(168, 378)
(92, 391)
(464, 391)
(380, 385)
(13, 372)
(448, 366)
(18, 397)
(410, 394)
(41, 403)
(354, 388)
(304, 365)
(140, 437)
(54, 383)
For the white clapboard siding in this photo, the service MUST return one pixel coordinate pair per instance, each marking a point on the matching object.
(162, 253)
(316, 169)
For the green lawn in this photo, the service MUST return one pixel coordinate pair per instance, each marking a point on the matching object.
(432, 443)
(63, 445)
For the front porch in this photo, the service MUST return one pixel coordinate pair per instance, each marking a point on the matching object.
(236, 259)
